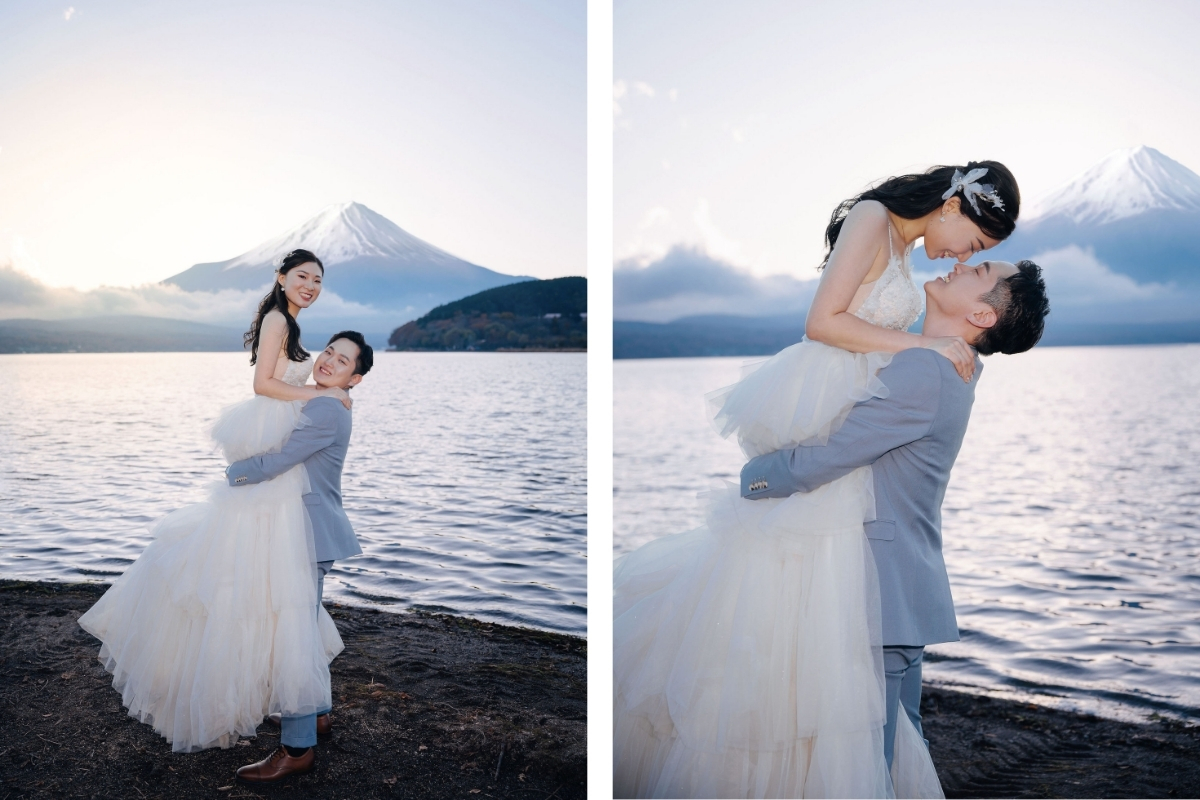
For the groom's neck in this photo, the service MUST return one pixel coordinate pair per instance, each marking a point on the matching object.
(941, 325)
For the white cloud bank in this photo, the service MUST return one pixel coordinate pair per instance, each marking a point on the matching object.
(1075, 277)
(24, 296)
(691, 280)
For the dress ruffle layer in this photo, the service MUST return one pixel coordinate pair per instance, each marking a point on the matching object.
(216, 624)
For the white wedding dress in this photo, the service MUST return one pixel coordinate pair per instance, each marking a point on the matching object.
(216, 624)
(747, 653)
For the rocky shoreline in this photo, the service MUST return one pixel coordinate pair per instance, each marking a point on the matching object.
(424, 706)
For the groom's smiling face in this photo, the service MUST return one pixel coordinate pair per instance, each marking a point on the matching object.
(958, 293)
(335, 366)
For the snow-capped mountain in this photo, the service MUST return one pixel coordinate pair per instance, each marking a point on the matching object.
(1125, 183)
(369, 260)
(1137, 209)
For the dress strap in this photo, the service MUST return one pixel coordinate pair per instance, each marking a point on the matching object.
(891, 251)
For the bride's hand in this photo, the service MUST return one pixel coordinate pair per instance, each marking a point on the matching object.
(957, 350)
(340, 394)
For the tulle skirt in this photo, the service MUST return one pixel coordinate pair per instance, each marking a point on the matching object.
(747, 652)
(217, 622)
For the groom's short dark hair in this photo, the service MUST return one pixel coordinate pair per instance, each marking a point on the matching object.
(366, 356)
(1021, 307)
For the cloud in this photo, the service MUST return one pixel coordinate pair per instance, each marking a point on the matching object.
(1075, 277)
(654, 216)
(621, 90)
(643, 88)
(690, 280)
(24, 296)
(70, 12)
(715, 241)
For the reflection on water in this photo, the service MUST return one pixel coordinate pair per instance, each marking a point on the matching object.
(465, 479)
(1070, 522)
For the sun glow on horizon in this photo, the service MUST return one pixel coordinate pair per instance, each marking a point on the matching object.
(139, 140)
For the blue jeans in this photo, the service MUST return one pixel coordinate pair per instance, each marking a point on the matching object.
(902, 671)
(302, 731)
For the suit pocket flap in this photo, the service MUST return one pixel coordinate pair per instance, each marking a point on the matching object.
(311, 499)
(877, 529)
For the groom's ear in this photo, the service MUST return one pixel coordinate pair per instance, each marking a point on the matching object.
(355, 380)
(983, 317)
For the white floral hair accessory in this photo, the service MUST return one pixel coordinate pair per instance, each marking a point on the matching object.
(970, 188)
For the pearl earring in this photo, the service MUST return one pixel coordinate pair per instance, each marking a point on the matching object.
(943, 217)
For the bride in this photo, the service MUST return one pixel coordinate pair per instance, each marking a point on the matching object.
(748, 652)
(212, 627)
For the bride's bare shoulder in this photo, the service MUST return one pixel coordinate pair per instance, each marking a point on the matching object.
(868, 214)
(274, 320)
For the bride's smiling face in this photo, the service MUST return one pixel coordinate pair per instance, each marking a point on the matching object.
(958, 237)
(302, 284)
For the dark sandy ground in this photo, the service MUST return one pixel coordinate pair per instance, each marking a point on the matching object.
(998, 748)
(435, 706)
(424, 706)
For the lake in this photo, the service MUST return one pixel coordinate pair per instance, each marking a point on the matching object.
(465, 479)
(1070, 523)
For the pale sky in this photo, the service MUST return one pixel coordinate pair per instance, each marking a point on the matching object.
(139, 137)
(740, 126)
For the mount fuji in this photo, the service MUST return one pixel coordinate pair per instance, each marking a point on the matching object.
(370, 261)
(1137, 210)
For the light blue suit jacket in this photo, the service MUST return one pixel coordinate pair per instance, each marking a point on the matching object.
(321, 447)
(911, 438)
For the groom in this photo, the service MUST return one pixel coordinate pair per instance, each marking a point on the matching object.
(321, 447)
(911, 438)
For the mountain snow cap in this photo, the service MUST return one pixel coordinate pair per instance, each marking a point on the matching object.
(340, 233)
(1125, 183)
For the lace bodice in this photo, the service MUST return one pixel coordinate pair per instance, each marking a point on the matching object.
(894, 302)
(297, 372)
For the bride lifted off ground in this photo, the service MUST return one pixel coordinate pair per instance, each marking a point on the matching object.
(763, 654)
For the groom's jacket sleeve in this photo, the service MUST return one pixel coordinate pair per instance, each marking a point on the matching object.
(873, 427)
(298, 448)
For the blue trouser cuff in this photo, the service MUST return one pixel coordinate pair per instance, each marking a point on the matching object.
(298, 731)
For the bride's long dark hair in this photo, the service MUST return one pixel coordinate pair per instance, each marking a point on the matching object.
(276, 299)
(914, 196)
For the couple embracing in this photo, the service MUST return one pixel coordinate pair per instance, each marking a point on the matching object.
(218, 624)
(776, 650)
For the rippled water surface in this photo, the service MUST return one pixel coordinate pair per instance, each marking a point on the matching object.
(465, 479)
(1070, 523)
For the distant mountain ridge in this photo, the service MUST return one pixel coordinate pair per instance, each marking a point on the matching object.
(729, 335)
(368, 260)
(528, 298)
(115, 334)
(532, 315)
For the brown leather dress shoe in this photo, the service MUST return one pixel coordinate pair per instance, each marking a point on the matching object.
(324, 723)
(277, 766)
